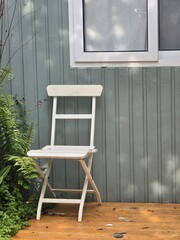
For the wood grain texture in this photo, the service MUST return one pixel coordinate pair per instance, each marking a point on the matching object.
(133, 220)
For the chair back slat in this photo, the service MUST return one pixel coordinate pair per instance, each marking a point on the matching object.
(74, 90)
(91, 91)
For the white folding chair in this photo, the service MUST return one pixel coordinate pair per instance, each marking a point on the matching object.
(76, 153)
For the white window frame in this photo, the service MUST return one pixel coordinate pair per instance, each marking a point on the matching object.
(152, 57)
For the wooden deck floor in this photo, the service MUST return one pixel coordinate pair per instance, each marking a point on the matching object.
(130, 221)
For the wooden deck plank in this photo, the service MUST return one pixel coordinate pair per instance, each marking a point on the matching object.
(136, 220)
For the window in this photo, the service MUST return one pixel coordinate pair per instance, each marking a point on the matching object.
(169, 22)
(124, 32)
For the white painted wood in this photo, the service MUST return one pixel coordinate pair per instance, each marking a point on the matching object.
(71, 190)
(69, 201)
(43, 191)
(93, 121)
(85, 186)
(42, 153)
(69, 148)
(74, 90)
(78, 153)
(53, 120)
(90, 179)
(73, 116)
(63, 152)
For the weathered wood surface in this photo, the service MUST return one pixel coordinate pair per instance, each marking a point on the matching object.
(142, 221)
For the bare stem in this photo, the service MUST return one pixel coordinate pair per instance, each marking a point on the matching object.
(9, 29)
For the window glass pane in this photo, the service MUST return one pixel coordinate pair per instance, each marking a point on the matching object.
(116, 25)
(169, 24)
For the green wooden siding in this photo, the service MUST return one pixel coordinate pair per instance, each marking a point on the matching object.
(138, 115)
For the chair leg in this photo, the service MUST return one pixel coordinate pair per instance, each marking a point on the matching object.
(83, 196)
(91, 181)
(88, 178)
(43, 190)
(39, 208)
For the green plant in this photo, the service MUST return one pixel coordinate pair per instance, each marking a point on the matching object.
(5, 76)
(17, 170)
(14, 211)
(16, 136)
(4, 172)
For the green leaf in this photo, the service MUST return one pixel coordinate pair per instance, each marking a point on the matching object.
(5, 76)
(4, 172)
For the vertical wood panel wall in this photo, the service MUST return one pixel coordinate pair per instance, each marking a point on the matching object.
(138, 115)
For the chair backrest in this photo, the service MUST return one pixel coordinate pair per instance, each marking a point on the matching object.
(56, 91)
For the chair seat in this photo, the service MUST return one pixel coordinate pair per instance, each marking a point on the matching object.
(63, 152)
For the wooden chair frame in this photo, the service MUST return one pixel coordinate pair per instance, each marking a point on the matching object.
(77, 153)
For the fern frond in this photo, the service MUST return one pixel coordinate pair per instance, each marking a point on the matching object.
(5, 76)
(15, 138)
(4, 172)
(28, 137)
(12, 142)
(25, 169)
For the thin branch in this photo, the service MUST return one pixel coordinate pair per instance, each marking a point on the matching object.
(8, 9)
(1, 8)
(21, 47)
(10, 26)
(1, 19)
(22, 19)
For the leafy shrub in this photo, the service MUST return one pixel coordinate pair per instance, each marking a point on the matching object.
(16, 168)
